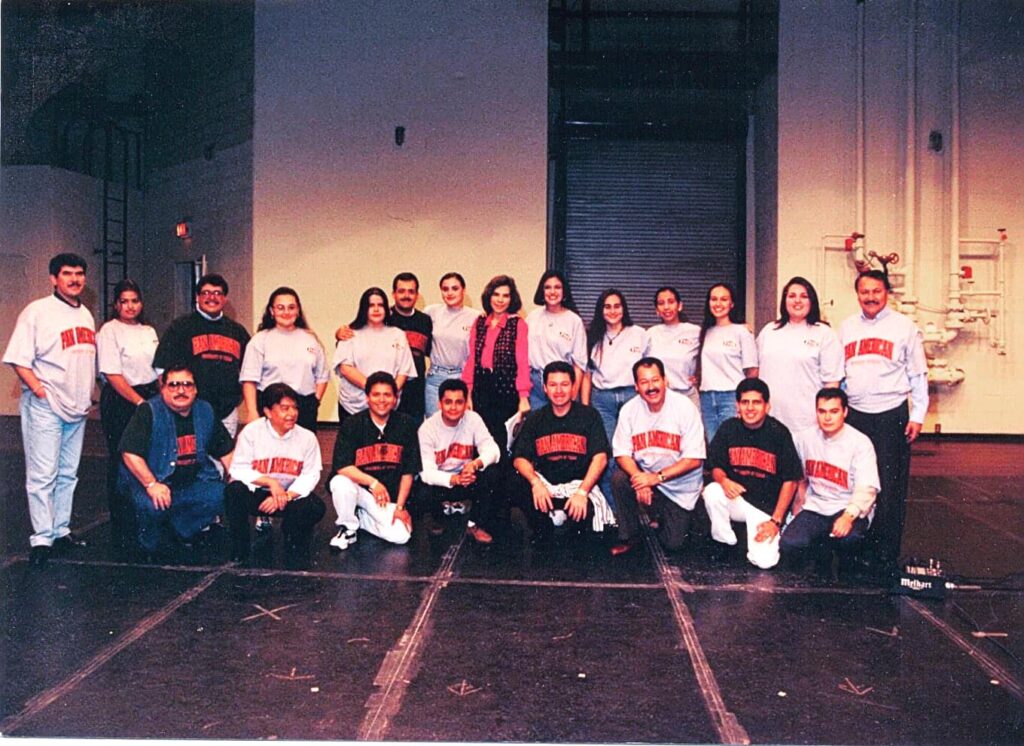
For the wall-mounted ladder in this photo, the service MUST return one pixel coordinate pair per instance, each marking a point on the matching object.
(121, 162)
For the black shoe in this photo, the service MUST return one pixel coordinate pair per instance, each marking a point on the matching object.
(39, 556)
(67, 543)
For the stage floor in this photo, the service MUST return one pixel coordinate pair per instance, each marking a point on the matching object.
(445, 640)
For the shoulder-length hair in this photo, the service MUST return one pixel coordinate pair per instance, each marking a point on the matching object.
(813, 316)
(598, 326)
(567, 300)
(362, 315)
(268, 318)
(515, 301)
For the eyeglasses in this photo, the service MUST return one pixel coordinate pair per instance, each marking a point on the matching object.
(187, 385)
(211, 293)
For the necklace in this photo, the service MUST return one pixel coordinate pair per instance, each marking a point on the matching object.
(611, 338)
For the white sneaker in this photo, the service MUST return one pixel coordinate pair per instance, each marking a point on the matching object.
(340, 541)
(558, 517)
(263, 524)
(351, 535)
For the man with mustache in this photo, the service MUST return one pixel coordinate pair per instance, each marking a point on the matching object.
(168, 449)
(885, 363)
(53, 352)
(659, 447)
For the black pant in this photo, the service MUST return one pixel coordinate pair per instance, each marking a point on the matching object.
(300, 515)
(115, 411)
(489, 505)
(495, 400)
(673, 521)
(886, 432)
(308, 407)
(540, 522)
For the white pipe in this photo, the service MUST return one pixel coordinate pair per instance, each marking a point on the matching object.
(909, 299)
(955, 303)
(859, 225)
(1001, 283)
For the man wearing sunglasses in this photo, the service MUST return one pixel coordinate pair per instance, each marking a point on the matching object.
(168, 450)
(213, 345)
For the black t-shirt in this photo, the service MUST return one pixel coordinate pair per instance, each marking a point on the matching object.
(214, 350)
(418, 330)
(139, 430)
(387, 454)
(761, 460)
(562, 448)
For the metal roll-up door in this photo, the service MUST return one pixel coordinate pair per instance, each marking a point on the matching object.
(642, 214)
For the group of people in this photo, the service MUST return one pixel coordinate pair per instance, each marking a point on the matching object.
(580, 427)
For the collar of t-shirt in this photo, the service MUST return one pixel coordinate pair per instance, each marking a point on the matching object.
(64, 300)
(207, 316)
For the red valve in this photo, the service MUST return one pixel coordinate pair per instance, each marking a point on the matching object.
(967, 273)
(852, 239)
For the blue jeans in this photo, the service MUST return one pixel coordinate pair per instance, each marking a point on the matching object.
(809, 529)
(537, 396)
(53, 449)
(437, 375)
(608, 402)
(193, 507)
(715, 408)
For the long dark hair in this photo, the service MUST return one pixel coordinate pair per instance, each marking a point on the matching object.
(362, 316)
(598, 326)
(709, 320)
(119, 288)
(567, 301)
(268, 318)
(813, 316)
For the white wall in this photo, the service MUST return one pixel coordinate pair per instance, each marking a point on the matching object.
(338, 207)
(817, 167)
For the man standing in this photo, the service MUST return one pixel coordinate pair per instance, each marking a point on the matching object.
(418, 328)
(213, 345)
(457, 450)
(837, 495)
(885, 362)
(276, 466)
(168, 449)
(53, 352)
(561, 452)
(755, 470)
(659, 447)
(376, 457)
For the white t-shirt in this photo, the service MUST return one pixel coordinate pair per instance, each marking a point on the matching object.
(445, 450)
(727, 351)
(58, 343)
(556, 336)
(292, 459)
(676, 345)
(276, 356)
(835, 467)
(450, 337)
(614, 361)
(656, 440)
(796, 361)
(368, 351)
(127, 350)
(881, 355)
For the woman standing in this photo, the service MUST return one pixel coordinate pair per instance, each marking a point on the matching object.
(373, 346)
(799, 354)
(556, 333)
(727, 354)
(499, 374)
(125, 347)
(284, 350)
(676, 343)
(453, 323)
(615, 343)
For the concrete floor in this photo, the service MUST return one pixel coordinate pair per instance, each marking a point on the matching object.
(444, 640)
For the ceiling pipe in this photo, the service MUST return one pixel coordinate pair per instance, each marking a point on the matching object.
(908, 299)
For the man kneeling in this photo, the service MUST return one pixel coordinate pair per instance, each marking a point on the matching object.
(837, 497)
(376, 457)
(167, 449)
(276, 467)
(756, 471)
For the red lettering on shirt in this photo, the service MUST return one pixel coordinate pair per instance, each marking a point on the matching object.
(186, 450)
(278, 465)
(749, 457)
(870, 346)
(828, 472)
(216, 347)
(657, 439)
(417, 342)
(378, 453)
(561, 443)
(79, 335)
(459, 451)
